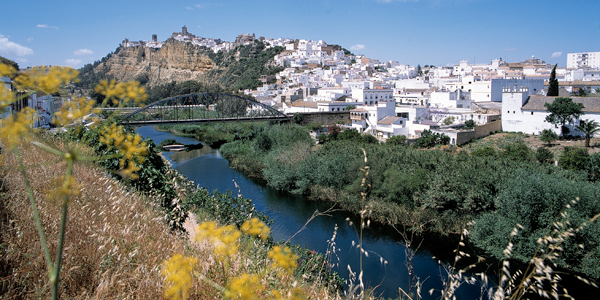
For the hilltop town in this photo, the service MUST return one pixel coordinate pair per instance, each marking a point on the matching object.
(386, 98)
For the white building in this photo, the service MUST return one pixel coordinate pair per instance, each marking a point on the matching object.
(491, 90)
(583, 59)
(450, 99)
(372, 96)
(524, 113)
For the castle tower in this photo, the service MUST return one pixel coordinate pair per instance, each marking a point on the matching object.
(154, 37)
(184, 30)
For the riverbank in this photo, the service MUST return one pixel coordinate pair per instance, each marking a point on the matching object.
(116, 240)
(439, 190)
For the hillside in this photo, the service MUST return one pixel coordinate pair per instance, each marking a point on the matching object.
(177, 62)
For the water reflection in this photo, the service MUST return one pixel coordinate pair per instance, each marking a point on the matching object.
(385, 265)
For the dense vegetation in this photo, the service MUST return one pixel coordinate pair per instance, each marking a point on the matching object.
(444, 189)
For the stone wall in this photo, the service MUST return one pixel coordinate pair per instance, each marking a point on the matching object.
(486, 129)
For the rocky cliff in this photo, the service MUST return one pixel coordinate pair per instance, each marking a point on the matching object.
(174, 61)
(160, 70)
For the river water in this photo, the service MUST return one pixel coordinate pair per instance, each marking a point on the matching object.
(384, 268)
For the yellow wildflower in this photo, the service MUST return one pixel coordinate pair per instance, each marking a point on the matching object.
(283, 258)
(7, 70)
(6, 96)
(122, 91)
(65, 187)
(48, 80)
(295, 294)
(255, 227)
(73, 111)
(224, 238)
(178, 276)
(132, 149)
(16, 128)
(244, 287)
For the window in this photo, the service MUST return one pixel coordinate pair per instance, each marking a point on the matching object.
(532, 113)
(513, 111)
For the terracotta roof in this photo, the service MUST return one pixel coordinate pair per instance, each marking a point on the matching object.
(535, 102)
(388, 120)
(359, 110)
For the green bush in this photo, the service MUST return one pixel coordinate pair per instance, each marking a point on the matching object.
(397, 140)
(574, 158)
(543, 155)
(517, 151)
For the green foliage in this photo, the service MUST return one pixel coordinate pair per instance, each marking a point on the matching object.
(430, 139)
(548, 136)
(226, 208)
(543, 155)
(470, 124)
(297, 118)
(397, 140)
(517, 151)
(312, 266)
(535, 201)
(553, 87)
(485, 151)
(573, 158)
(9, 62)
(349, 134)
(242, 67)
(448, 120)
(168, 142)
(562, 111)
(350, 107)
(262, 142)
(589, 129)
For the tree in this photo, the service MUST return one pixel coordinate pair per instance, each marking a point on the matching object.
(419, 70)
(589, 128)
(574, 158)
(517, 151)
(548, 136)
(562, 111)
(543, 155)
(448, 120)
(470, 124)
(553, 88)
(397, 140)
(350, 107)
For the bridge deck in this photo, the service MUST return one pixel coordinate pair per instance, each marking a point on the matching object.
(204, 121)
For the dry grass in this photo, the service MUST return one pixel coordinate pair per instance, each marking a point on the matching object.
(115, 243)
(115, 240)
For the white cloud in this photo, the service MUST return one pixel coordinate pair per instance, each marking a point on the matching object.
(556, 54)
(509, 49)
(357, 47)
(21, 61)
(83, 52)
(74, 62)
(30, 39)
(8, 48)
(46, 26)
(189, 8)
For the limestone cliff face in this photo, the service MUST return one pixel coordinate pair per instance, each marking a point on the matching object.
(174, 61)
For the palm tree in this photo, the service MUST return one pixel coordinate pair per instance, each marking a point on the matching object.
(589, 128)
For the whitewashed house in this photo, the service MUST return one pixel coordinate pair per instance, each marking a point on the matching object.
(527, 114)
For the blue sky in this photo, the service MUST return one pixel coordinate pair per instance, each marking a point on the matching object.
(438, 32)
